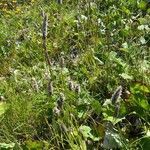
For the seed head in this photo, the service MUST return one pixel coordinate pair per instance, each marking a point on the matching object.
(42, 13)
(45, 24)
(60, 101)
(62, 61)
(78, 88)
(71, 85)
(35, 84)
(116, 95)
(50, 88)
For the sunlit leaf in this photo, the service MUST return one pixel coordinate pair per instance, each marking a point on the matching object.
(126, 76)
(2, 108)
(86, 132)
(144, 104)
(142, 5)
(125, 45)
(107, 102)
(142, 40)
(98, 60)
(34, 144)
(148, 133)
(112, 119)
(7, 146)
(112, 140)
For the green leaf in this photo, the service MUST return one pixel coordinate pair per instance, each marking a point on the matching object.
(80, 114)
(148, 133)
(112, 119)
(142, 40)
(142, 5)
(145, 143)
(96, 106)
(112, 140)
(107, 102)
(113, 57)
(125, 45)
(86, 132)
(144, 104)
(141, 27)
(7, 146)
(138, 88)
(2, 108)
(126, 10)
(98, 60)
(126, 76)
(34, 144)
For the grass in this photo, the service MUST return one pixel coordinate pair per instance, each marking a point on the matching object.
(96, 49)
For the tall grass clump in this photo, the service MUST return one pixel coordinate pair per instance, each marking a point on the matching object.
(74, 74)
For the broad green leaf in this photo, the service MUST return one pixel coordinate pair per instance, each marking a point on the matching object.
(112, 119)
(126, 76)
(144, 104)
(34, 144)
(112, 140)
(96, 106)
(145, 143)
(86, 132)
(142, 5)
(140, 88)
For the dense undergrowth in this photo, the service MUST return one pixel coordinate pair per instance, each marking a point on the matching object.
(95, 94)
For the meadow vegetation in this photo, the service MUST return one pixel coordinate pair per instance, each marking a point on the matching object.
(94, 93)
